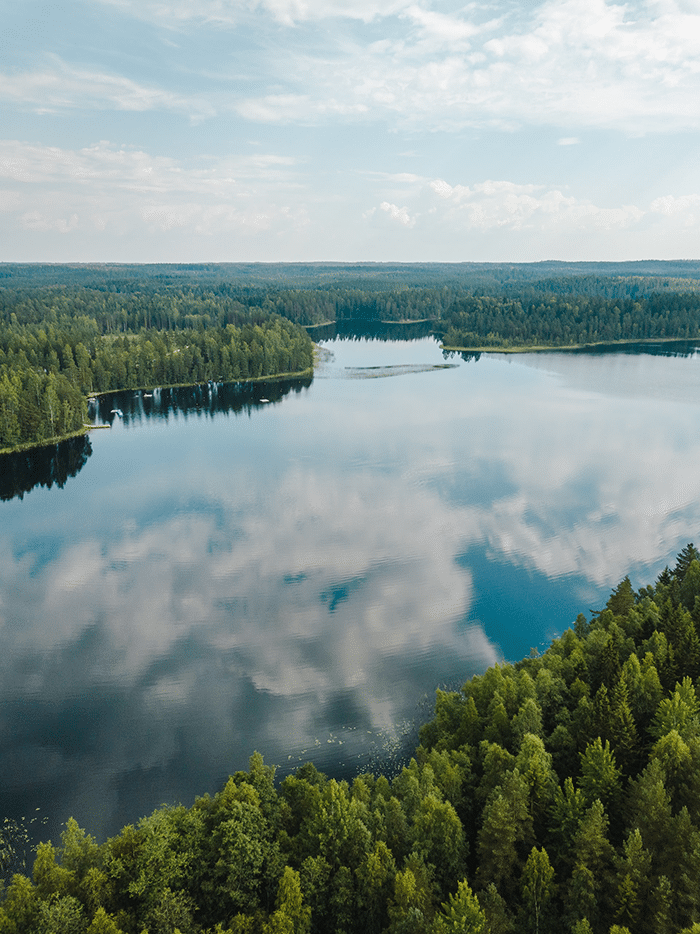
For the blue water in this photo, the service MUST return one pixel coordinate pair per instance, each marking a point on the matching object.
(218, 574)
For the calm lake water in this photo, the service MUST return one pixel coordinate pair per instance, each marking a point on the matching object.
(218, 574)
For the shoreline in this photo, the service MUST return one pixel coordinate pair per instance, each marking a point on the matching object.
(86, 429)
(542, 348)
(247, 379)
(323, 324)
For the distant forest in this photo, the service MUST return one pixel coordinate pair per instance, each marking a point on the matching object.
(67, 331)
(559, 794)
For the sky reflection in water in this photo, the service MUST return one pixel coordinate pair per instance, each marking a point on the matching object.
(297, 578)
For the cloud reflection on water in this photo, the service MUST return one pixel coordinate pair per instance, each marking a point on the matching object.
(279, 629)
(289, 581)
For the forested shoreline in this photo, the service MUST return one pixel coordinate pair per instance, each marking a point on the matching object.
(484, 322)
(66, 332)
(558, 794)
(58, 346)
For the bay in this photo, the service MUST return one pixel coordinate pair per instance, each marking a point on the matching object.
(294, 567)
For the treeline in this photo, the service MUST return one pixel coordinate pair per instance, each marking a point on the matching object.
(192, 306)
(126, 277)
(57, 346)
(560, 794)
(416, 293)
(555, 320)
(133, 305)
(138, 305)
(611, 287)
(60, 342)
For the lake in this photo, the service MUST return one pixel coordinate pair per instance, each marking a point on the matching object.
(294, 567)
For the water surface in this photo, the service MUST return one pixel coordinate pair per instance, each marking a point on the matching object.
(295, 567)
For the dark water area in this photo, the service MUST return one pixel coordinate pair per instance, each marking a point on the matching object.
(208, 399)
(48, 466)
(295, 566)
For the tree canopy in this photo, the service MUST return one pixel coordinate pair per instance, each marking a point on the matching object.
(561, 793)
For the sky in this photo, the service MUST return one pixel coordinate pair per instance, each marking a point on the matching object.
(371, 130)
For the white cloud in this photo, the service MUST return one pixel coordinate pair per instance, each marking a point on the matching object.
(104, 187)
(633, 67)
(290, 108)
(114, 191)
(398, 214)
(10, 201)
(35, 220)
(630, 68)
(231, 12)
(58, 86)
(684, 207)
(135, 169)
(504, 204)
(435, 27)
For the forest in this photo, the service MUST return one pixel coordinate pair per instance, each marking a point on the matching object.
(557, 320)
(68, 331)
(557, 794)
(57, 346)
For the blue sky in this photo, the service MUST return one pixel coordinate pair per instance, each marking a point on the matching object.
(386, 130)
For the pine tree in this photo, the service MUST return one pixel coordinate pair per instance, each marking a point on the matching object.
(634, 870)
(461, 914)
(500, 920)
(566, 814)
(685, 558)
(600, 776)
(538, 889)
(587, 890)
(622, 598)
(505, 833)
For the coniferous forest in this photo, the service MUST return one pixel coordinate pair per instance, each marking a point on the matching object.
(57, 346)
(559, 794)
(68, 331)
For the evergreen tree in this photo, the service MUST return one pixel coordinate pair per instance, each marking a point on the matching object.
(600, 778)
(461, 914)
(538, 889)
(685, 558)
(634, 870)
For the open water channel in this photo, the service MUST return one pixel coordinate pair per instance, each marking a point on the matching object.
(295, 567)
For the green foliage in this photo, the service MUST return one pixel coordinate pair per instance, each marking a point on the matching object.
(67, 331)
(600, 777)
(290, 916)
(565, 789)
(461, 914)
(538, 888)
(57, 348)
(622, 598)
(634, 868)
(103, 923)
(520, 320)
